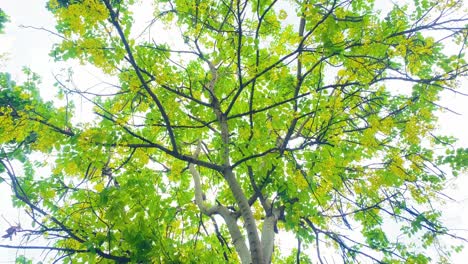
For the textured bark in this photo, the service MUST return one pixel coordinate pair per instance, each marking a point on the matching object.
(255, 244)
(237, 238)
(268, 235)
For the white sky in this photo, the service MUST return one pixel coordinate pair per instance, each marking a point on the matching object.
(29, 47)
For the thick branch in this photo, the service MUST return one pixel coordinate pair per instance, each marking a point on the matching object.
(249, 221)
(237, 239)
(268, 234)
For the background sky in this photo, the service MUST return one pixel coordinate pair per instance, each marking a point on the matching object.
(30, 47)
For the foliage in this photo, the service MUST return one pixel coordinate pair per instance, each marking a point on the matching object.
(3, 20)
(261, 120)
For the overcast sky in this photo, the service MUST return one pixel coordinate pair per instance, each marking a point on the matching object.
(30, 47)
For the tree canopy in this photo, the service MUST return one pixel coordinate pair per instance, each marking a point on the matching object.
(267, 118)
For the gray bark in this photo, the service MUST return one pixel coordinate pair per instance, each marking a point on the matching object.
(231, 221)
(255, 246)
(268, 234)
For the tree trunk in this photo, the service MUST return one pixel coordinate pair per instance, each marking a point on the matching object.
(256, 250)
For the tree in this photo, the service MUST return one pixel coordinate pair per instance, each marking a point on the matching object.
(267, 117)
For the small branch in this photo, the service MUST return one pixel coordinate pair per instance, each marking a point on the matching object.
(131, 59)
(44, 29)
(45, 248)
